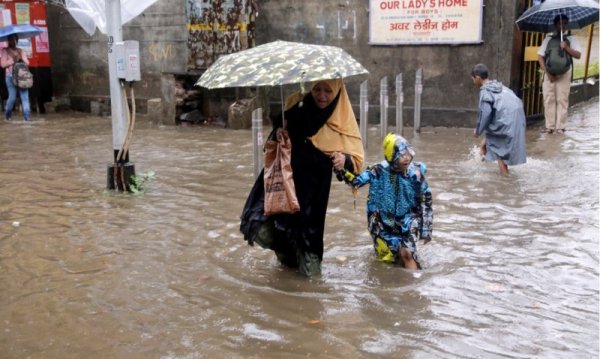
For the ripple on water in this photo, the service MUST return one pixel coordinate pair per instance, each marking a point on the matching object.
(512, 270)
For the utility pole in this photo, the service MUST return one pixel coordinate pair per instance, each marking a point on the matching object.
(120, 171)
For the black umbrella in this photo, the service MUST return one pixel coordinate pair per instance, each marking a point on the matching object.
(540, 18)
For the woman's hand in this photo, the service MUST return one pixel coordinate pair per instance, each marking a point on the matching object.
(338, 159)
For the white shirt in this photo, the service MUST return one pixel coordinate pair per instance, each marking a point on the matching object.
(574, 44)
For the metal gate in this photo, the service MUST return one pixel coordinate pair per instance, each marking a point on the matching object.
(531, 75)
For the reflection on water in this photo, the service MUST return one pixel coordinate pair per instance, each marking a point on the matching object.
(512, 270)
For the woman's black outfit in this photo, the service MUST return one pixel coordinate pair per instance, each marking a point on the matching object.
(297, 238)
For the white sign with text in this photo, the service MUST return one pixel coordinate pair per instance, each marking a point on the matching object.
(425, 22)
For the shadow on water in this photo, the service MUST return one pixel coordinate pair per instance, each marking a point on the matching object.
(512, 270)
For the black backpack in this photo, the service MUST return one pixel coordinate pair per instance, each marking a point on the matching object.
(558, 61)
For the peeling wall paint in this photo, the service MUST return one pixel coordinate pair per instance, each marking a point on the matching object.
(217, 27)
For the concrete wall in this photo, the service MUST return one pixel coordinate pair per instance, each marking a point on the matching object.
(80, 68)
(448, 98)
(79, 61)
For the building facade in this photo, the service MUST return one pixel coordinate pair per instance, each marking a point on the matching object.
(180, 38)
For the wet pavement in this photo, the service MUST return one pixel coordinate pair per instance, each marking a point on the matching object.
(89, 273)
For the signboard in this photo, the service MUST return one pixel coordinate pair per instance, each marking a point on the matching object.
(425, 22)
(28, 12)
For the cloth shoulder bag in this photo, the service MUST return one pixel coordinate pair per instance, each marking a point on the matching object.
(280, 192)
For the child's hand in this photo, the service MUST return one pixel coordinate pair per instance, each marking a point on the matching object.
(418, 173)
(345, 175)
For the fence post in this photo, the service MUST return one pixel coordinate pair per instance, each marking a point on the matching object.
(383, 105)
(364, 112)
(257, 140)
(399, 105)
(418, 92)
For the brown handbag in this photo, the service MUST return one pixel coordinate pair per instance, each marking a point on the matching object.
(280, 192)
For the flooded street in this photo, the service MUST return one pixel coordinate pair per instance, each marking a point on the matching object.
(512, 271)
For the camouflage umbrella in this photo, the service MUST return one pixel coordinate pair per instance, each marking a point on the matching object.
(280, 63)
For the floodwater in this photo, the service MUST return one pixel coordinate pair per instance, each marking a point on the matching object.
(512, 272)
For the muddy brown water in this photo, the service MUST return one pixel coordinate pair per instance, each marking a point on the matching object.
(512, 271)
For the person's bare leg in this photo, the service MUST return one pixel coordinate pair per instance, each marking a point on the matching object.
(482, 149)
(407, 259)
(503, 168)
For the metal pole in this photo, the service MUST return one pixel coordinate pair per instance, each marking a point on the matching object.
(399, 105)
(418, 92)
(383, 104)
(364, 113)
(588, 50)
(115, 34)
(257, 140)
(117, 100)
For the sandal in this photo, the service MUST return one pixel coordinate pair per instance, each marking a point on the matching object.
(547, 130)
(560, 132)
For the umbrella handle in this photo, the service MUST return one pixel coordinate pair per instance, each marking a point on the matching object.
(561, 29)
(282, 108)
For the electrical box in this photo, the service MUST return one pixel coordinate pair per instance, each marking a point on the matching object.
(127, 54)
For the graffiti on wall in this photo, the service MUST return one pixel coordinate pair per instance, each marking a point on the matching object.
(161, 52)
(217, 27)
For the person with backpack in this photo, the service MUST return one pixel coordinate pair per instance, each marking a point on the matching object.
(555, 57)
(10, 56)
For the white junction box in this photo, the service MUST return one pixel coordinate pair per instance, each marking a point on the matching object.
(127, 54)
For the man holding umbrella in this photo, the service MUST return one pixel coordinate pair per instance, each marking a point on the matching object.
(557, 86)
(8, 57)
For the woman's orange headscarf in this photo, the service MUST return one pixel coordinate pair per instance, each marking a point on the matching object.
(340, 133)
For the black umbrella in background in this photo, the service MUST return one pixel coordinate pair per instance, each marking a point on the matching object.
(540, 17)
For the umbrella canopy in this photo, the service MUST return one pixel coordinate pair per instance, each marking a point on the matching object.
(24, 31)
(540, 18)
(280, 63)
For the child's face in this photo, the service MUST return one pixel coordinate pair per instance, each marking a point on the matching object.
(404, 160)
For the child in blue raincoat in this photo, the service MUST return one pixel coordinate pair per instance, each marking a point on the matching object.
(399, 205)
